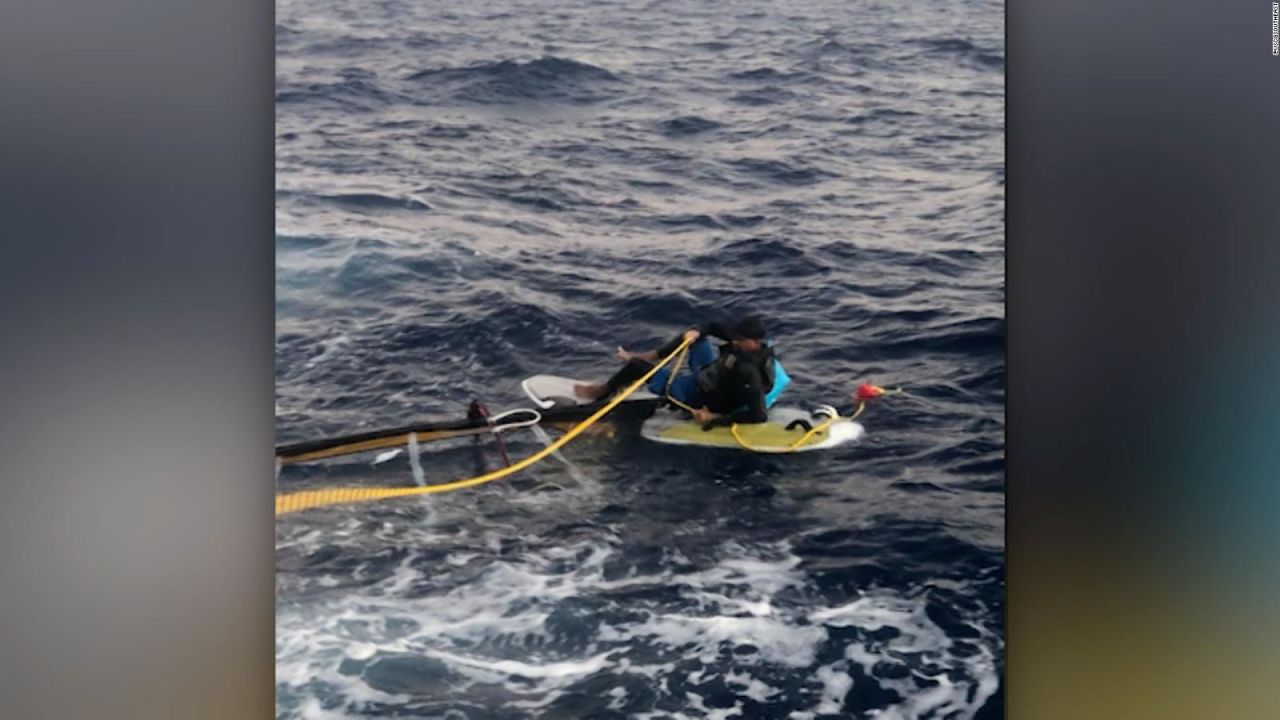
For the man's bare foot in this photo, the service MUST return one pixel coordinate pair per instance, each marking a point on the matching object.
(589, 391)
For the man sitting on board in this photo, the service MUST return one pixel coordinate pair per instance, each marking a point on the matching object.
(735, 385)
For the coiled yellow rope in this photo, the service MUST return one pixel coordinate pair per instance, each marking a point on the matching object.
(307, 499)
(793, 447)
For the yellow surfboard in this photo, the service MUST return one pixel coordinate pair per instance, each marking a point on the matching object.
(768, 437)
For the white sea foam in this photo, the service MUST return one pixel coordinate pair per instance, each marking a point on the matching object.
(835, 685)
(778, 641)
(874, 612)
(619, 698)
(917, 636)
(329, 347)
(750, 687)
(698, 704)
(502, 668)
(752, 596)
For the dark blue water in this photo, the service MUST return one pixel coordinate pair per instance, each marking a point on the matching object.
(469, 194)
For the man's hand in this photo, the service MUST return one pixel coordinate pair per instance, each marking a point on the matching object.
(624, 355)
(704, 415)
(691, 335)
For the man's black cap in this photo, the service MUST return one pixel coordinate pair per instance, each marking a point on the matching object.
(749, 328)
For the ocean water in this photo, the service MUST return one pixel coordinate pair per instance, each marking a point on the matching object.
(472, 193)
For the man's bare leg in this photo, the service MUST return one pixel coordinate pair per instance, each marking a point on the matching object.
(590, 391)
(597, 391)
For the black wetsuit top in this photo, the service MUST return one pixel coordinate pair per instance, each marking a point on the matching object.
(735, 385)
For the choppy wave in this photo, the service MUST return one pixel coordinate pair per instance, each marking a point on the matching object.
(547, 78)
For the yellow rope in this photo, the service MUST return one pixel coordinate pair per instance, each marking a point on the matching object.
(813, 431)
(307, 499)
(793, 447)
(671, 378)
(823, 426)
(862, 405)
(733, 430)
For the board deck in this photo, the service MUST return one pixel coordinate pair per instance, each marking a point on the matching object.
(549, 391)
(674, 428)
(767, 437)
